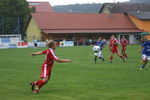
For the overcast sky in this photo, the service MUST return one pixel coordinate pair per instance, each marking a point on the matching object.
(66, 2)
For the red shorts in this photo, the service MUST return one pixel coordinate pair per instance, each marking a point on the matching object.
(114, 50)
(46, 71)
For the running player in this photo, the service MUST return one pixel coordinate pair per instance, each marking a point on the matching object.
(47, 66)
(145, 53)
(100, 43)
(124, 44)
(114, 48)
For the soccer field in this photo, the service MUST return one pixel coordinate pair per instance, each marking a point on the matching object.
(79, 80)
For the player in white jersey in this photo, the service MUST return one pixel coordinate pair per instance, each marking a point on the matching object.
(97, 53)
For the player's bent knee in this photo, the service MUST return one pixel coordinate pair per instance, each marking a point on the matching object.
(145, 60)
(45, 80)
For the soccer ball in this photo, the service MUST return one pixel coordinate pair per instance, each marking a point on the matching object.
(96, 48)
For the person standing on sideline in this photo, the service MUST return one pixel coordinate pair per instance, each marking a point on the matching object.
(47, 66)
(35, 43)
(113, 45)
(124, 44)
(145, 50)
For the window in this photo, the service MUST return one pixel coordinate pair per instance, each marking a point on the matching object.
(34, 4)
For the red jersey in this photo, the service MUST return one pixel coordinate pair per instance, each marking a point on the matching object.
(50, 56)
(110, 43)
(124, 42)
(113, 43)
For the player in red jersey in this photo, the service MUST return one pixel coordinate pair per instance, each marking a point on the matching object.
(110, 42)
(47, 66)
(124, 44)
(114, 48)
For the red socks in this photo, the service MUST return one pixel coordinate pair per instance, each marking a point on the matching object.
(39, 83)
(121, 57)
(111, 57)
(125, 55)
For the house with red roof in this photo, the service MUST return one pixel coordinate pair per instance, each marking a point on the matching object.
(139, 13)
(41, 6)
(77, 26)
(124, 7)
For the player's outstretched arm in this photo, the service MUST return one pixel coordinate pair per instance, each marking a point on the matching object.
(63, 60)
(36, 53)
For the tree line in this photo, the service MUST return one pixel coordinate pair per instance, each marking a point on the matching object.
(13, 16)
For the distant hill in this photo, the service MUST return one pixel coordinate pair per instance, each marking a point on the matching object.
(87, 8)
(78, 8)
(140, 1)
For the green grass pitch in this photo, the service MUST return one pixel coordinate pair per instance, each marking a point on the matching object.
(79, 80)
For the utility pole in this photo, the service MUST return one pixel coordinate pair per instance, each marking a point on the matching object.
(18, 28)
(3, 25)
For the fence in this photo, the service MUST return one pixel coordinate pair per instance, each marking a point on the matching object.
(10, 25)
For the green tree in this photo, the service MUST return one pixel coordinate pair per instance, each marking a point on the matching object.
(12, 14)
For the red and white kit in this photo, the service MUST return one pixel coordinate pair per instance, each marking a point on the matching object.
(114, 45)
(48, 63)
(124, 43)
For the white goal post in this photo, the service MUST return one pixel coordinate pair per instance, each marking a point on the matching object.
(10, 40)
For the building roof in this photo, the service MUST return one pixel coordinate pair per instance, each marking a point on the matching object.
(140, 15)
(126, 7)
(83, 23)
(41, 6)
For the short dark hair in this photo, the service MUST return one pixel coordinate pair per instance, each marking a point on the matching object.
(51, 43)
